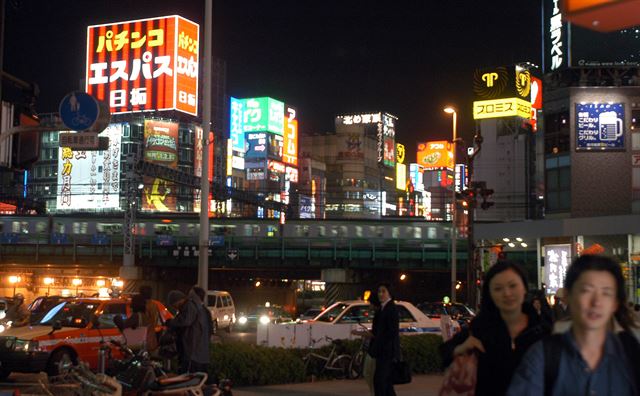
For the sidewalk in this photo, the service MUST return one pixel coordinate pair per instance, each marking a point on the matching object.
(422, 385)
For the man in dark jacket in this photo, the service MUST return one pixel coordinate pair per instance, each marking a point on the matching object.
(385, 346)
(193, 335)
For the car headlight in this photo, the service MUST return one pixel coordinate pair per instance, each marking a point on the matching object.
(3, 315)
(242, 320)
(264, 319)
(26, 346)
(2, 328)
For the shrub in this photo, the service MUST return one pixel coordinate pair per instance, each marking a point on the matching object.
(247, 364)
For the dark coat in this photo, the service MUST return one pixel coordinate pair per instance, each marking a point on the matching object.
(498, 364)
(194, 331)
(386, 333)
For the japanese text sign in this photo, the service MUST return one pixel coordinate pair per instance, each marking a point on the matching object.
(146, 64)
(498, 108)
(160, 147)
(262, 115)
(290, 153)
(556, 261)
(599, 126)
(437, 154)
(502, 82)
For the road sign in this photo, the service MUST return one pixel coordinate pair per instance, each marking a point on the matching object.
(80, 111)
(233, 254)
(80, 141)
(216, 240)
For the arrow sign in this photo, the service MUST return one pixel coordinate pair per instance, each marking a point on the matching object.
(233, 254)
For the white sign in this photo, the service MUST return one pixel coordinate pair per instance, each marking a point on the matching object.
(80, 141)
(555, 30)
(557, 260)
(90, 179)
(361, 119)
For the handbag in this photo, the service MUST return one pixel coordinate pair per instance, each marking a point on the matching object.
(461, 376)
(400, 372)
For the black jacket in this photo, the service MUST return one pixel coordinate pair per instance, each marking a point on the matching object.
(497, 365)
(386, 333)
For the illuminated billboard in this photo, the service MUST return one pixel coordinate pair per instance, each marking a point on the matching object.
(435, 155)
(600, 126)
(90, 179)
(263, 115)
(400, 153)
(257, 145)
(417, 177)
(502, 82)
(197, 162)
(350, 147)
(557, 260)
(236, 130)
(382, 126)
(498, 108)
(160, 147)
(146, 64)
(401, 176)
(290, 152)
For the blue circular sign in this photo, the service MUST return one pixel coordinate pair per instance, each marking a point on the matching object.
(79, 111)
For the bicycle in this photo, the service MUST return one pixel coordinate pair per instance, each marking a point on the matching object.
(356, 367)
(336, 363)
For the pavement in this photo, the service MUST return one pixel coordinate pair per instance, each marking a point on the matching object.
(421, 385)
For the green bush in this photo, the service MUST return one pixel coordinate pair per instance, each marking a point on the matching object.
(247, 364)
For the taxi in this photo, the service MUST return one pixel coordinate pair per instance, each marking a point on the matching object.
(69, 332)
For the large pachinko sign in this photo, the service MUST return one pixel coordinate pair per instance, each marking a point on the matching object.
(146, 64)
(160, 147)
(90, 179)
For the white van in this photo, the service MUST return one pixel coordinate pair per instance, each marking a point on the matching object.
(223, 310)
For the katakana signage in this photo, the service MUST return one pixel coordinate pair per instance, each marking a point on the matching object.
(498, 108)
(146, 64)
(599, 126)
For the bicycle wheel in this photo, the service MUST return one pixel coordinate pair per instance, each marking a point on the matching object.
(356, 366)
(340, 366)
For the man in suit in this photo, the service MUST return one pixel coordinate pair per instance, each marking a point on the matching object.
(385, 346)
(561, 308)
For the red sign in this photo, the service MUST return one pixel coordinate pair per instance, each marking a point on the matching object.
(147, 64)
(290, 152)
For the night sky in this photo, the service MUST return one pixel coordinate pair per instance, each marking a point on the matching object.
(409, 58)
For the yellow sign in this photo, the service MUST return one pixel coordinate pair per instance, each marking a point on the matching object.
(523, 82)
(498, 108)
(489, 78)
(401, 176)
(400, 153)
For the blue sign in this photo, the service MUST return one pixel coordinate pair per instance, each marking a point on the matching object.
(600, 126)
(216, 240)
(307, 207)
(257, 145)
(236, 131)
(79, 111)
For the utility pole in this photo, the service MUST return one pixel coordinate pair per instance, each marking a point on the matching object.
(203, 256)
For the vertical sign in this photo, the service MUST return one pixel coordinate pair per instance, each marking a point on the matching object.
(147, 64)
(557, 260)
(600, 126)
(555, 37)
(90, 179)
(290, 153)
(160, 147)
(236, 128)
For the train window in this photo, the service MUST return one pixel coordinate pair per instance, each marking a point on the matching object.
(255, 230)
(41, 227)
(272, 231)
(59, 228)
(305, 230)
(343, 231)
(359, 231)
(80, 227)
(192, 229)
(141, 229)
(417, 232)
(395, 232)
(1, 226)
(322, 231)
(108, 228)
(380, 231)
(21, 227)
(334, 231)
(432, 233)
(166, 229)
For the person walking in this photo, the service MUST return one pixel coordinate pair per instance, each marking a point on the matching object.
(18, 313)
(504, 329)
(599, 354)
(385, 344)
(542, 309)
(193, 332)
(144, 314)
(369, 362)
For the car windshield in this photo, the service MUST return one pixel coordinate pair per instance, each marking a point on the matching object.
(70, 314)
(331, 313)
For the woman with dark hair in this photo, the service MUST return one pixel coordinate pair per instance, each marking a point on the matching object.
(504, 329)
(599, 354)
(385, 344)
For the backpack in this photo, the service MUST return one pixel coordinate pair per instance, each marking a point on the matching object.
(553, 346)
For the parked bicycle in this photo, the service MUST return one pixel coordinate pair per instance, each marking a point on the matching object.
(336, 364)
(356, 368)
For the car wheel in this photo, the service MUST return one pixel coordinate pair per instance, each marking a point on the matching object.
(356, 365)
(4, 374)
(60, 362)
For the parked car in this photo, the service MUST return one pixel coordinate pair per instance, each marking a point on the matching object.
(412, 320)
(69, 332)
(458, 311)
(309, 314)
(223, 310)
(41, 305)
(263, 314)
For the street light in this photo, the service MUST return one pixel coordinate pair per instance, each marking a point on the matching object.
(76, 282)
(452, 111)
(48, 282)
(403, 277)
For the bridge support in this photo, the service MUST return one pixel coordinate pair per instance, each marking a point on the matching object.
(340, 284)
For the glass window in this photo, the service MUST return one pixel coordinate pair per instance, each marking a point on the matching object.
(219, 302)
(404, 315)
(228, 301)
(70, 314)
(332, 313)
(358, 314)
(211, 301)
(110, 312)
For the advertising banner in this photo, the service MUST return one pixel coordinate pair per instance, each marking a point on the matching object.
(276, 146)
(401, 176)
(498, 108)
(600, 126)
(263, 114)
(434, 155)
(502, 82)
(197, 162)
(256, 145)
(350, 147)
(160, 147)
(307, 208)
(90, 179)
(557, 259)
(416, 175)
(146, 64)
(290, 153)
(236, 130)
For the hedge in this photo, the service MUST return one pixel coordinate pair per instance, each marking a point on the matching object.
(247, 364)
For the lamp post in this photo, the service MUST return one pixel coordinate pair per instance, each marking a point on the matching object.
(452, 111)
(14, 279)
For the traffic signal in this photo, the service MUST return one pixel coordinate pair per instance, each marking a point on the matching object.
(486, 193)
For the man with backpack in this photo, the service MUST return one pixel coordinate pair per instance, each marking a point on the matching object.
(600, 353)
